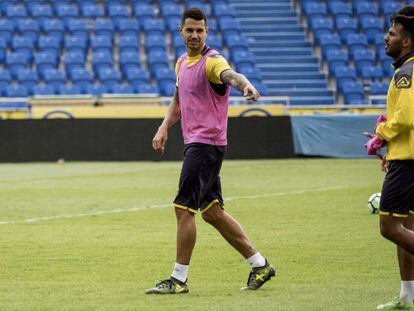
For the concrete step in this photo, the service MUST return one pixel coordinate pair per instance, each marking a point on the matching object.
(270, 74)
(295, 83)
(272, 59)
(262, 51)
(275, 14)
(255, 42)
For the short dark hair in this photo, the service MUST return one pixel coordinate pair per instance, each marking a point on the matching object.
(194, 13)
(405, 17)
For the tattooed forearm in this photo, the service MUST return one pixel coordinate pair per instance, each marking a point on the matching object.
(234, 79)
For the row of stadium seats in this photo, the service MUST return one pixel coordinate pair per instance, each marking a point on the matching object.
(123, 49)
(350, 35)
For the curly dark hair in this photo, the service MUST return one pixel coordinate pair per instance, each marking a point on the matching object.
(405, 17)
(194, 13)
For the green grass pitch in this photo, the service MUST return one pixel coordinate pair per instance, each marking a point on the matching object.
(95, 236)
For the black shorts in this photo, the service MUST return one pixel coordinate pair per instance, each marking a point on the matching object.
(200, 185)
(397, 195)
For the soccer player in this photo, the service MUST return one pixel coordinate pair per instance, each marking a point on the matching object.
(201, 101)
(397, 132)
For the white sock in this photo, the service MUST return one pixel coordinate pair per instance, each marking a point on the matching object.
(180, 272)
(257, 260)
(407, 291)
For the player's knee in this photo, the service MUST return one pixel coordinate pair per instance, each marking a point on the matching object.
(211, 216)
(390, 231)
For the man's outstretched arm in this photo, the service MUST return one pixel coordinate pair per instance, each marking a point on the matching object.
(241, 83)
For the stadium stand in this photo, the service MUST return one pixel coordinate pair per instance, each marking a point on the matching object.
(358, 66)
(311, 51)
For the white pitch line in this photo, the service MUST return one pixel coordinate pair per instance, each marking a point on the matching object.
(136, 209)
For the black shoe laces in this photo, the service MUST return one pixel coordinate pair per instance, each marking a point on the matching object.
(168, 283)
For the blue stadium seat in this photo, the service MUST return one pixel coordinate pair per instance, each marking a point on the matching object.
(353, 93)
(28, 28)
(137, 76)
(49, 44)
(372, 73)
(315, 10)
(388, 8)
(101, 44)
(15, 62)
(128, 60)
(119, 12)
(321, 26)
(45, 61)
(29, 78)
(16, 12)
(378, 88)
(41, 12)
(55, 78)
(379, 40)
(229, 26)
(169, 9)
(155, 43)
(252, 73)
(6, 29)
(74, 60)
(23, 45)
(43, 89)
(167, 88)
(244, 59)
(122, 88)
(128, 27)
(215, 42)
(180, 51)
(147, 89)
(341, 9)
(236, 43)
(223, 10)
(153, 26)
(345, 27)
(69, 89)
(109, 77)
(366, 9)
(356, 41)
(83, 78)
(97, 89)
(172, 25)
(5, 80)
(76, 44)
(92, 11)
(372, 26)
(67, 12)
(53, 28)
(199, 4)
(144, 11)
(344, 75)
(103, 27)
(78, 28)
(157, 60)
(165, 74)
(363, 58)
(336, 58)
(177, 41)
(101, 60)
(16, 90)
(128, 44)
(329, 41)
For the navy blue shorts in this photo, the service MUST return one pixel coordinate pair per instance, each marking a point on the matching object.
(200, 186)
(397, 195)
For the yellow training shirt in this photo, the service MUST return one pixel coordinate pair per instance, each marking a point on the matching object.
(215, 65)
(398, 130)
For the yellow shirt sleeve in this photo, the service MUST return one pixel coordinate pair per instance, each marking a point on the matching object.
(215, 65)
(402, 119)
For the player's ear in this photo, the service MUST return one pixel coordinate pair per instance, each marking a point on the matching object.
(180, 27)
(207, 29)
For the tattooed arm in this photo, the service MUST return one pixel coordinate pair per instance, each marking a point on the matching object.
(241, 83)
(173, 115)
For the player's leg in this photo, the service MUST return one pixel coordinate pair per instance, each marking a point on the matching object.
(186, 236)
(230, 229)
(406, 265)
(392, 228)
(234, 234)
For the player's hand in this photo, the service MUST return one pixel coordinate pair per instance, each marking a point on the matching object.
(381, 118)
(384, 164)
(160, 140)
(374, 145)
(251, 93)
